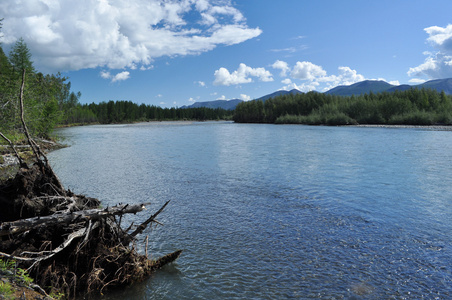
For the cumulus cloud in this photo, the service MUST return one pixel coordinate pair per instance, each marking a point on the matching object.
(346, 76)
(105, 75)
(242, 75)
(306, 70)
(286, 81)
(121, 76)
(282, 65)
(117, 77)
(71, 35)
(303, 87)
(437, 64)
(245, 97)
(440, 37)
(314, 76)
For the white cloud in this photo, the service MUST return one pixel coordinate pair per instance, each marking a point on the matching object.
(346, 76)
(307, 71)
(281, 65)
(105, 75)
(394, 82)
(71, 35)
(242, 75)
(223, 97)
(121, 76)
(437, 64)
(286, 81)
(314, 77)
(191, 100)
(440, 37)
(200, 83)
(145, 68)
(118, 77)
(304, 87)
(245, 97)
(290, 49)
(417, 80)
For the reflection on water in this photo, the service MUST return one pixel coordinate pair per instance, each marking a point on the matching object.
(275, 212)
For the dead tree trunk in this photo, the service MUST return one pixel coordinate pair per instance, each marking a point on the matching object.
(67, 217)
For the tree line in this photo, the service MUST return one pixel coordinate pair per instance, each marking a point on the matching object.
(128, 111)
(410, 107)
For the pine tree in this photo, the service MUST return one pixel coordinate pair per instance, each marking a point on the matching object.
(20, 57)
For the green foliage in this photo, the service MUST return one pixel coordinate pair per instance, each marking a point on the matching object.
(413, 107)
(414, 118)
(20, 57)
(47, 98)
(6, 290)
(56, 295)
(9, 270)
(6, 265)
(18, 274)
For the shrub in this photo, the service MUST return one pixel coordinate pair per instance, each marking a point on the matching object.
(414, 118)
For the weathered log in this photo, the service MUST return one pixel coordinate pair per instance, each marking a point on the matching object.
(67, 217)
(166, 259)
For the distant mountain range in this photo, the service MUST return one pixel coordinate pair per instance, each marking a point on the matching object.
(362, 87)
(225, 104)
(378, 86)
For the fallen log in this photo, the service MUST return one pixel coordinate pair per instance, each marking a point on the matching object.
(65, 217)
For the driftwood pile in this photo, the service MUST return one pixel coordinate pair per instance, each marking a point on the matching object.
(66, 242)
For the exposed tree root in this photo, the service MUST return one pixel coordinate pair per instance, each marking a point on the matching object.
(65, 243)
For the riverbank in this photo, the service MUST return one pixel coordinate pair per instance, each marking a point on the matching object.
(424, 127)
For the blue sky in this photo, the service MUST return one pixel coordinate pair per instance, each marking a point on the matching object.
(173, 53)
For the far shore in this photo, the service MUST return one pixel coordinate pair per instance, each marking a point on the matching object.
(426, 127)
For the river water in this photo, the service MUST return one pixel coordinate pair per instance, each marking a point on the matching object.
(277, 211)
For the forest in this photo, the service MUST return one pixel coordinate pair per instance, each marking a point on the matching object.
(49, 101)
(128, 111)
(410, 107)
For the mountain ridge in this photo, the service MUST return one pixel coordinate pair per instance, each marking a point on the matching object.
(358, 88)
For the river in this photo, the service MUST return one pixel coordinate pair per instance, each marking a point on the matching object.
(277, 211)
